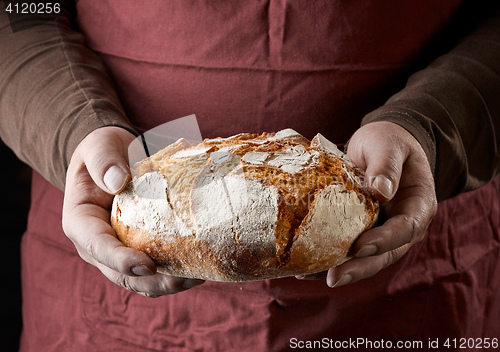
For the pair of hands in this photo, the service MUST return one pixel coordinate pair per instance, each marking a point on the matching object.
(396, 169)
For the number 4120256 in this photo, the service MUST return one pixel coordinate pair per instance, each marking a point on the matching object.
(32, 8)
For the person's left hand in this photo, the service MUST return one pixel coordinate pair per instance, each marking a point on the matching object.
(399, 176)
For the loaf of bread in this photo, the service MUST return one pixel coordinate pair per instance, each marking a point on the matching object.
(247, 207)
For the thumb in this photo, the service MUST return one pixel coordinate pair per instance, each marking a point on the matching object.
(104, 153)
(115, 178)
(382, 155)
(382, 187)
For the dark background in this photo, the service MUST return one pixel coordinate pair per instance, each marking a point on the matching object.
(15, 179)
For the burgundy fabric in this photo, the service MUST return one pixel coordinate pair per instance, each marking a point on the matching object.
(315, 66)
(259, 66)
(446, 286)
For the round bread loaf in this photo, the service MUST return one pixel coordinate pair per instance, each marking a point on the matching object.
(247, 207)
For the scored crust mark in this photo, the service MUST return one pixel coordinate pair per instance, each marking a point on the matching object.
(299, 190)
(247, 207)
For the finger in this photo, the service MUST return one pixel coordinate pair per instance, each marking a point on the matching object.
(398, 231)
(95, 242)
(394, 233)
(383, 171)
(383, 162)
(410, 215)
(314, 276)
(150, 286)
(361, 268)
(106, 161)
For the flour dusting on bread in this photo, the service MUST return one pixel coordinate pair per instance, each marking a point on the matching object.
(247, 207)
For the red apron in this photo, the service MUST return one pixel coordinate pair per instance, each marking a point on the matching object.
(253, 66)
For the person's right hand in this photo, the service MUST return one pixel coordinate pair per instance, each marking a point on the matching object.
(99, 169)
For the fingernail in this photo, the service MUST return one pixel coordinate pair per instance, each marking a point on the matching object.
(383, 185)
(148, 295)
(344, 280)
(300, 277)
(189, 283)
(366, 251)
(115, 179)
(142, 270)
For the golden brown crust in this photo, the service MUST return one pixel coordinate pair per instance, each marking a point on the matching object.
(281, 237)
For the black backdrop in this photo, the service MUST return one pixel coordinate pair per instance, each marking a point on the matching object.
(15, 180)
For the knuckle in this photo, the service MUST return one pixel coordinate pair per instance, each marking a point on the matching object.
(396, 254)
(434, 207)
(390, 258)
(84, 255)
(415, 228)
(65, 227)
(125, 282)
(148, 295)
(108, 256)
(129, 283)
(160, 288)
(151, 287)
(121, 263)
(90, 248)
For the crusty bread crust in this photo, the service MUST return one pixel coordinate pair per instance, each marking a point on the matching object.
(243, 208)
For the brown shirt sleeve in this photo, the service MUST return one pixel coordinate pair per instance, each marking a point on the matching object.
(53, 92)
(453, 108)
